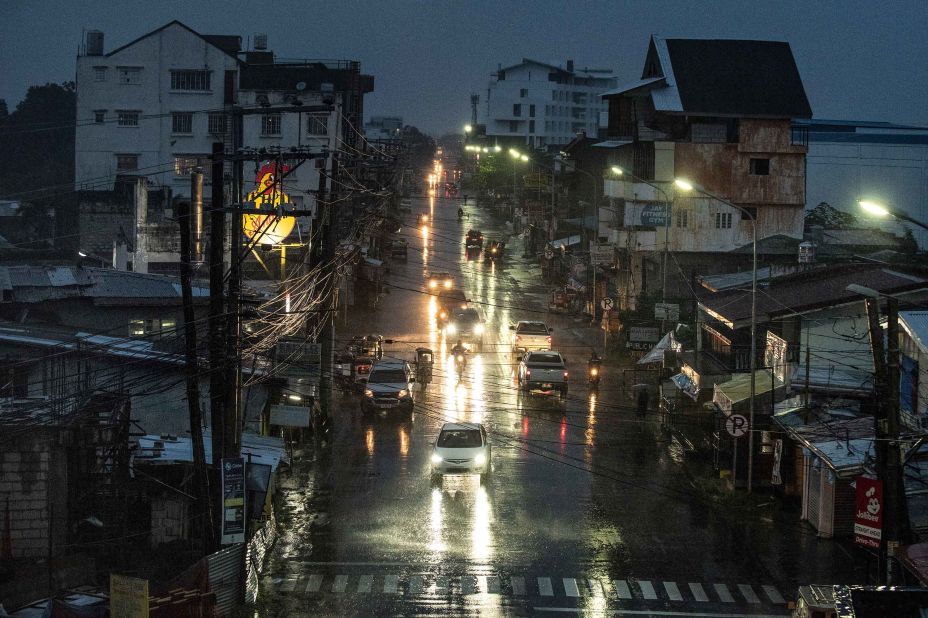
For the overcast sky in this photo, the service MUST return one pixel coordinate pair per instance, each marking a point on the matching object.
(858, 60)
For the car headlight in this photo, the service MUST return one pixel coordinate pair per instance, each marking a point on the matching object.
(594, 371)
(480, 459)
(448, 283)
(433, 284)
(460, 359)
(402, 393)
(368, 392)
(443, 314)
(478, 329)
(452, 329)
(436, 458)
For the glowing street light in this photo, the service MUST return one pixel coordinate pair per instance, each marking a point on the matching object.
(684, 184)
(523, 157)
(618, 171)
(468, 128)
(497, 148)
(515, 153)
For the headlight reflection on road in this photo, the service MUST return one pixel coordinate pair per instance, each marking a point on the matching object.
(369, 440)
(590, 433)
(404, 442)
(436, 543)
(481, 538)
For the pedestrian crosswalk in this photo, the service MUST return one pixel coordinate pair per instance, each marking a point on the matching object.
(626, 589)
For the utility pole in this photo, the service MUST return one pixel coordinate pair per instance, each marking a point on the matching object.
(233, 369)
(327, 318)
(201, 475)
(886, 424)
(217, 348)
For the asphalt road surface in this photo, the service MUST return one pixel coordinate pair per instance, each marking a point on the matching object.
(589, 509)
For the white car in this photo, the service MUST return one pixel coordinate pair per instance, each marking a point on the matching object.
(528, 336)
(461, 448)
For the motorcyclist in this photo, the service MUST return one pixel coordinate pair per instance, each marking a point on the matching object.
(459, 350)
(592, 368)
(460, 213)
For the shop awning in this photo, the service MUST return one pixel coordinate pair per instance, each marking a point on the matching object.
(656, 355)
(738, 389)
(685, 384)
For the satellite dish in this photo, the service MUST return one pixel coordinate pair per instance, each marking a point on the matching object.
(300, 86)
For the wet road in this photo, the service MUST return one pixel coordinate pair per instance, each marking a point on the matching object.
(588, 510)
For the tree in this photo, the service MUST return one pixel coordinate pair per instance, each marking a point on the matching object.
(828, 216)
(420, 148)
(908, 244)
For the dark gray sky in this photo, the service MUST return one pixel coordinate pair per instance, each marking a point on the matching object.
(858, 59)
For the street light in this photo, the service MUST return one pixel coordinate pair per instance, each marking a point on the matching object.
(468, 128)
(686, 185)
(881, 210)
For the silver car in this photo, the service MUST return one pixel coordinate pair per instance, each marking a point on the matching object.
(461, 448)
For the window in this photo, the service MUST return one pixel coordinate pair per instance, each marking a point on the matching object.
(218, 124)
(513, 126)
(531, 111)
(99, 116)
(129, 75)
(523, 92)
(709, 133)
(99, 74)
(182, 122)
(184, 164)
(126, 118)
(531, 126)
(554, 95)
(317, 125)
(760, 167)
(722, 220)
(190, 80)
(156, 326)
(127, 162)
(683, 218)
(270, 124)
(517, 109)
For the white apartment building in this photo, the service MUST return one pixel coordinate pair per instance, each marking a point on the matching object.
(540, 105)
(155, 106)
(384, 128)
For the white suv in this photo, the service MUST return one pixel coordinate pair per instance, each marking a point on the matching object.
(461, 448)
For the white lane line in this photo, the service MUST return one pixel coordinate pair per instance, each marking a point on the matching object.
(545, 588)
(774, 595)
(314, 583)
(518, 586)
(365, 583)
(340, 584)
(468, 584)
(724, 594)
(698, 592)
(622, 589)
(390, 584)
(647, 590)
(672, 591)
(748, 593)
(416, 584)
(288, 585)
(596, 588)
(493, 585)
(651, 612)
(570, 587)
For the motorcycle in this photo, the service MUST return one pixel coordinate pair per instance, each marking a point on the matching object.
(593, 371)
(460, 363)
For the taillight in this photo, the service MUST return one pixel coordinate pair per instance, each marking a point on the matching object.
(528, 373)
(548, 338)
(565, 375)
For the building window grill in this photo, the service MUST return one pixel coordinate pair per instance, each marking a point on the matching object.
(127, 118)
(99, 116)
(190, 80)
(317, 125)
(182, 122)
(723, 220)
(99, 74)
(218, 124)
(270, 124)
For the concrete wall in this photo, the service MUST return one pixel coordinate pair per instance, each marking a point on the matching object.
(169, 519)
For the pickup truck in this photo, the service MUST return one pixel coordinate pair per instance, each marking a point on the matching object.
(528, 336)
(545, 372)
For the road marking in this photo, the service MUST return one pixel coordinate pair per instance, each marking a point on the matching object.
(698, 592)
(672, 591)
(748, 593)
(544, 587)
(724, 594)
(314, 583)
(570, 587)
(622, 589)
(416, 583)
(518, 586)
(340, 583)
(596, 587)
(651, 612)
(647, 590)
(493, 584)
(774, 595)
(288, 585)
(468, 584)
(365, 583)
(390, 584)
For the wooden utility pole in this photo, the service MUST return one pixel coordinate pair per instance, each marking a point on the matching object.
(201, 476)
(217, 374)
(233, 411)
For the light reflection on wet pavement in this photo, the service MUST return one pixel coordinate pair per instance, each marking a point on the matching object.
(587, 509)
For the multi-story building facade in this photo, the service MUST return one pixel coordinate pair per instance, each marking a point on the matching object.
(155, 107)
(382, 128)
(719, 113)
(540, 105)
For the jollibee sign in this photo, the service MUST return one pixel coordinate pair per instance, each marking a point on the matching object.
(868, 514)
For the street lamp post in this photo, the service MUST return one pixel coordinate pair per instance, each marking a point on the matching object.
(881, 210)
(689, 186)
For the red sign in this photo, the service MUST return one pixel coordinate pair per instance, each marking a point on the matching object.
(868, 514)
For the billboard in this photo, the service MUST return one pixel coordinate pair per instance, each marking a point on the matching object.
(868, 512)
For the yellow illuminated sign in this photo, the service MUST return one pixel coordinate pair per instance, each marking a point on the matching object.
(268, 229)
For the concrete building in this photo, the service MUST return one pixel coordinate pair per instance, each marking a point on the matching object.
(718, 112)
(541, 105)
(852, 160)
(384, 128)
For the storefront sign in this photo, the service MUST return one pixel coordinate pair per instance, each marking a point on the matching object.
(233, 500)
(644, 334)
(128, 596)
(868, 514)
(654, 215)
(602, 253)
(268, 229)
(290, 416)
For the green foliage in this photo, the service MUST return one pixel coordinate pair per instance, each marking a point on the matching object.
(908, 245)
(420, 148)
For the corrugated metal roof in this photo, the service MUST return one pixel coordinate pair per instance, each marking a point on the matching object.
(666, 99)
(915, 324)
(641, 83)
(265, 450)
(40, 283)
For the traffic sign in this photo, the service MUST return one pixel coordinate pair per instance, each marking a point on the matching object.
(736, 425)
(607, 304)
